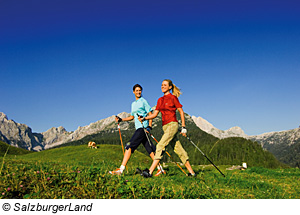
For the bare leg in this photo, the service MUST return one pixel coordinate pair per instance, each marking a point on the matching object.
(152, 155)
(126, 156)
(153, 166)
(188, 166)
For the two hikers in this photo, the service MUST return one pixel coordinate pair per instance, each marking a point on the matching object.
(142, 113)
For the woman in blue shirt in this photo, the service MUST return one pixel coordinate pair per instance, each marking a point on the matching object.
(139, 107)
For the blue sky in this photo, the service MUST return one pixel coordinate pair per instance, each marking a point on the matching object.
(71, 63)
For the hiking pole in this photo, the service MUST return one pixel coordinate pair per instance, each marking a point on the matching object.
(204, 155)
(120, 135)
(169, 156)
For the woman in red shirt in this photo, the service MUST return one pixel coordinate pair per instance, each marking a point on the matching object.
(167, 105)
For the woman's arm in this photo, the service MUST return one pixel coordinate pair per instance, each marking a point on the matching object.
(181, 116)
(183, 131)
(149, 117)
(150, 120)
(152, 115)
(125, 119)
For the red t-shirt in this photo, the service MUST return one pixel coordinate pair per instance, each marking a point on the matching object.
(168, 105)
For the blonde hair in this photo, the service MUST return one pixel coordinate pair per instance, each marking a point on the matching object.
(175, 90)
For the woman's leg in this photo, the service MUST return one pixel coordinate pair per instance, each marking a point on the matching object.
(153, 166)
(170, 131)
(126, 157)
(189, 168)
(152, 155)
(179, 150)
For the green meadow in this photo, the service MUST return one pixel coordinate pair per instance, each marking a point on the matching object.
(82, 173)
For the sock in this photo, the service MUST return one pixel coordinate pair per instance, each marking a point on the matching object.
(159, 167)
(122, 168)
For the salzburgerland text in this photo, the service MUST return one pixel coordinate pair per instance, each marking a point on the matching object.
(53, 208)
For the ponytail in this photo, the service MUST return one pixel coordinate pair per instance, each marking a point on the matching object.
(175, 90)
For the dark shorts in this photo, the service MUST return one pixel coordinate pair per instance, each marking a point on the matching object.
(139, 137)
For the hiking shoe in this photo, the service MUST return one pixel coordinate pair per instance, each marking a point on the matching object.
(159, 172)
(192, 175)
(116, 172)
(146, 173)
(138, 171)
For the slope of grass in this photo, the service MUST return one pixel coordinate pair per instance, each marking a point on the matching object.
(80, 172)
(82, 155)
(11, 150)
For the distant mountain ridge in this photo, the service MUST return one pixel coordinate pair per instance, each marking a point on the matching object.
(20, 135)
(209, 128)
(288, 137)
(58, 136)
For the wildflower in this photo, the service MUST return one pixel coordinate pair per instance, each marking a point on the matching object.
(48, 178)
(38, 172)
(3, 194)
(21, 185)
(13, 174)
(78, 171)
(8, 189)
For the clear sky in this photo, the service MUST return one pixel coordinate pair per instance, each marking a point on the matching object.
(70, 63)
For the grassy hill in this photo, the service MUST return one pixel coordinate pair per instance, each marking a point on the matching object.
(84, 156)
(11, 150)
(80, 172)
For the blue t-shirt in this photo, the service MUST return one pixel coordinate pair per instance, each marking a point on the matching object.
(142, 108)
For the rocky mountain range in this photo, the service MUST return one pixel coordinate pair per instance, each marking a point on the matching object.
(20, 135)
(209, 128)
(288, 137)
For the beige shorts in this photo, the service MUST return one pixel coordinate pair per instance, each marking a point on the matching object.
(170, 136)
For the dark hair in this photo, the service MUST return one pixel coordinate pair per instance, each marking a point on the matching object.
(137, 85)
